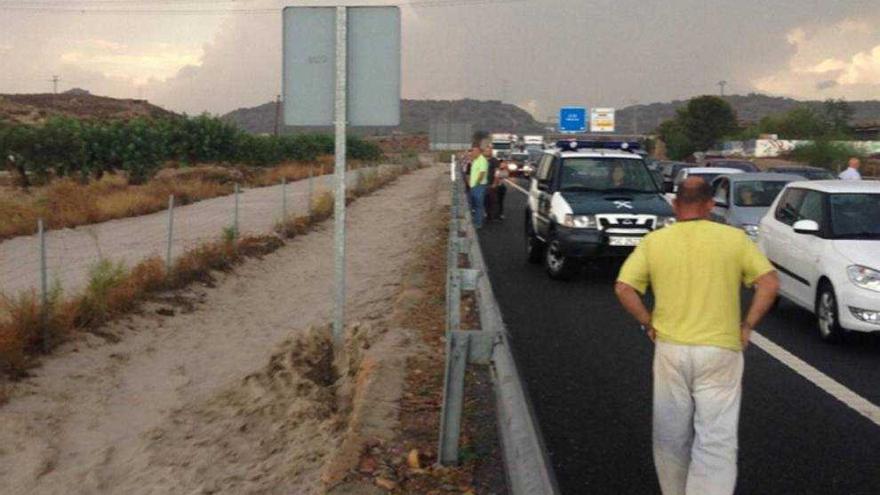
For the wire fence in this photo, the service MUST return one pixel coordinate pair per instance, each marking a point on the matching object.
(65, 257)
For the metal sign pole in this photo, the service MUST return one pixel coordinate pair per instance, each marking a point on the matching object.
(339, 243)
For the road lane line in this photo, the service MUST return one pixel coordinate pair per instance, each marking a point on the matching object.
(853, 400)
(517, 187)
(834, 388)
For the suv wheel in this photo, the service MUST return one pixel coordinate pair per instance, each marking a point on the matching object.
(559, 267)
(534, 246)
(827, 315)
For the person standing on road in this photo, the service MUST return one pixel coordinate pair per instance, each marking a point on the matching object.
(477, 180)
(852, 170)
(501, 177)
(695, 268)
(491, 185)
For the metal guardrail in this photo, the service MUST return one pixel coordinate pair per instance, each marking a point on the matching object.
(528, 469)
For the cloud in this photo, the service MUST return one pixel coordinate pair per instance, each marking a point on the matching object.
(839, 60)
(138, 65)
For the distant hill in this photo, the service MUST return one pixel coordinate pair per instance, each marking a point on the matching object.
(749, 108)
(416, 117)
(76, 103)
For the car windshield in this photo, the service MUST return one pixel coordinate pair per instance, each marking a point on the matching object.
(706, 177)
(818, 175)
(756, 193)
(744, 166)
(501, 146)
(855, 216)
(606, 175)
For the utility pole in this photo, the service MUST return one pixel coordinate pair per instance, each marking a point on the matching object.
(721, 85)
(54, 82)
(277, 112)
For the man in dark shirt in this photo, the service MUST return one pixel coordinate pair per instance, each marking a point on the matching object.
(492, 191)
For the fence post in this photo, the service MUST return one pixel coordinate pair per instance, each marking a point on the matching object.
(283, 199)
(453, 397)
(170, 240)
(235, 212)
(44, 288)
(311, 189)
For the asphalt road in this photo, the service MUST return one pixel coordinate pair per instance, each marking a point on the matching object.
(587, 369)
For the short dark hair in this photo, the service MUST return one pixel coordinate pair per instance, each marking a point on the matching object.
(694, 190)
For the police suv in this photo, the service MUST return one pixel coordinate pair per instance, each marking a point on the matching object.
(590, 199)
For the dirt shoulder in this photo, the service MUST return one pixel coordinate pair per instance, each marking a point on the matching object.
(213, 390)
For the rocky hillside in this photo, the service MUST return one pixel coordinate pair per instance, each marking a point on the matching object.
(749, 108)
(77, 103)
(416, 117)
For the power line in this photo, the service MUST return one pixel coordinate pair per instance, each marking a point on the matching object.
(110, 7)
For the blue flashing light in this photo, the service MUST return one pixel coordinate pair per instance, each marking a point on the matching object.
(580, 144)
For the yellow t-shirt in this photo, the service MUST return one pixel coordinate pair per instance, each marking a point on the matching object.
(480, 164)
(695, 269)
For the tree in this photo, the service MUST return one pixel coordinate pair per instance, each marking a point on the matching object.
(705, 120)
(678, 146)
(837, 115)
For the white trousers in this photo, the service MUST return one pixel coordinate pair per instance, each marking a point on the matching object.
(697, 392)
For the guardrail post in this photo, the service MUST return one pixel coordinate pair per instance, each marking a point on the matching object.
(453, 398)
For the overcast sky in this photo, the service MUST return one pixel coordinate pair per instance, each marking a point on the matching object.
(539, 54)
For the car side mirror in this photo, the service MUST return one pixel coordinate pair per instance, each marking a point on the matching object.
(543, 186)
(806, 227)
(721, 203)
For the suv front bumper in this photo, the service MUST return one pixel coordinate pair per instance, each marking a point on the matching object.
(588, 243)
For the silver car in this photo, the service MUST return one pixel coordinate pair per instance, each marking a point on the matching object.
(741, 200)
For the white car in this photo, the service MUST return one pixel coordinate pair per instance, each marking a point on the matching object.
(707, 173)
(823, 237)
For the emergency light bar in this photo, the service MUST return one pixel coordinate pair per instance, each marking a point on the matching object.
(579, 144)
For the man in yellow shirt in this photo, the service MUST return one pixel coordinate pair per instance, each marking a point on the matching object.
(479, 178)
(695, 269)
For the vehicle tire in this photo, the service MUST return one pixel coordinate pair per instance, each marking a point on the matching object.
(534, 246)
(559, 267)
(827, 315)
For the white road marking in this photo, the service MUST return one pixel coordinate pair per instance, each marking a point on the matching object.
(853, 400)
(834, 388)
(517, 186)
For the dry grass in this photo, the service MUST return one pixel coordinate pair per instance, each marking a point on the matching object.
(115, 290)
(67, 203)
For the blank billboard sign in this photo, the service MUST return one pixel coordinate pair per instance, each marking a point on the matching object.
(373, 66)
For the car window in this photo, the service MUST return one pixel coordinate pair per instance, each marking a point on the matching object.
(855, 216)
(787, 209)
(722, 186)
(811, 207)
(756, 193)
(606, 174)
(544, 168)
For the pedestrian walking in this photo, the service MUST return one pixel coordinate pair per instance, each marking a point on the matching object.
(852, 170)
(478, 178)
(695, 268)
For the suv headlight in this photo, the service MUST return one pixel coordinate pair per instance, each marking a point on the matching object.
(665, 222)
(579, 221)
(864, 277)
(751, 230)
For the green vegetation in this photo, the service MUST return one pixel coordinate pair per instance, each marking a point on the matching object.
(825, 153)
(697, 126)
(832, 122)
(66, 147)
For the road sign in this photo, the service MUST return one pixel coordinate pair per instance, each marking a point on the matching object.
(572, 119)
(341, 66)
(602, 120)
(373, 65)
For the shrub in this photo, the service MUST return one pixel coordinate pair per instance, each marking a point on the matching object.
(825, 153)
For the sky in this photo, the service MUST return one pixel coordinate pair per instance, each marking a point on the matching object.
(538, 54)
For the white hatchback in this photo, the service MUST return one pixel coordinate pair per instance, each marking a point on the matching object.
(824, 239)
